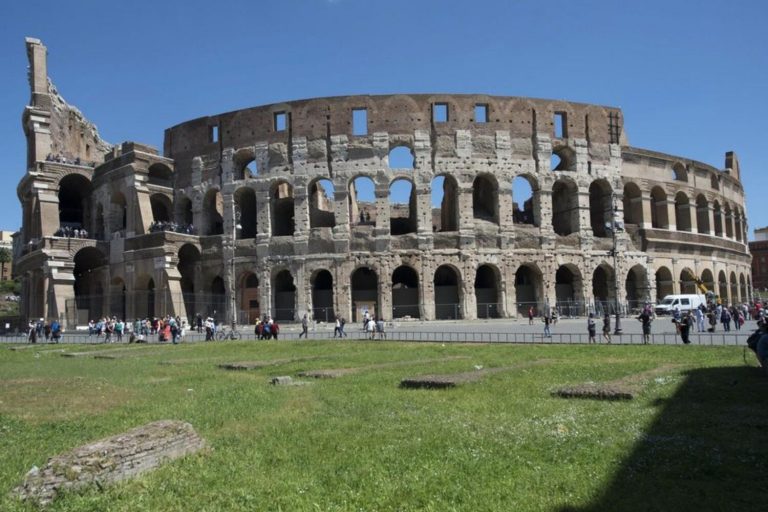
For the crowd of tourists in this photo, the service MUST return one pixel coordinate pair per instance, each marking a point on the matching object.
(187, 229)
(114, 330)
(70, 232)
(51, 331)
(61, 159)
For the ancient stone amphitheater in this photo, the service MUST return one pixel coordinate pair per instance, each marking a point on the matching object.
(431, 206)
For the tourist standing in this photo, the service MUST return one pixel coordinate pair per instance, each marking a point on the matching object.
(547, 321)
(607, 327)
(304, 327)
(591, 329)
(646, 318)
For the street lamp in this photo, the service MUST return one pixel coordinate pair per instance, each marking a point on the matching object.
(615, 227)
(233, 293)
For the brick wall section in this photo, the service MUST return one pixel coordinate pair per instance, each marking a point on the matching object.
(110, 460)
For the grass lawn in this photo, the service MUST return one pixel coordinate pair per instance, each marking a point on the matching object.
(694, 438)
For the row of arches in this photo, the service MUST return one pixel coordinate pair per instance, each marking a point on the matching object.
(730, 287)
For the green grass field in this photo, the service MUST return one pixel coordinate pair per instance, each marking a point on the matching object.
(693, 439)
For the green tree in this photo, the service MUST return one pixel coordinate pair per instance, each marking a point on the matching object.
(5, 257)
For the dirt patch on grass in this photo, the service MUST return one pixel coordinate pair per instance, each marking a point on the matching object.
(255, 365)
(50, 399)
(333, 373)
(454, 379)
(625, 388)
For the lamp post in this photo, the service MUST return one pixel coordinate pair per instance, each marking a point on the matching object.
(233, 293)
(615, 227)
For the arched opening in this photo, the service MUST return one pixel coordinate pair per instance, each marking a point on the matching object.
(365, 293)
(734, 288)
(362, 201)
(569, 291)
(88, 288)
(445, 204)
(687, 282)
(728, 221)
(322, 296)
(144, 297)
(161, 208)
(659, 217)
(714, 182)
(447, 299)
(117, 292)
(213, 212)
(321, 204)
(160, 175)
(250, 305)
(487, 279)
(245, 213)
(528, 288)
(565, 207)
(400, 157)
(664, 285)
(184, 215)
(282, 209)
(603, 289)
(189, 268)
(722, 287)
(485, 198)
(679, 173)
(718, 215)
(600, 208)
(217, 299)
(74, 201)
(525, 197)
(682, 212)
(99, 226)
(743, 296)
(563, 159)
(708, 280)
(245, 164)
(738, 229)
(118, 212)
(405, 293)
(402, 207)
(702, 214)
(633, 204)
(284, 296)
(637, 288)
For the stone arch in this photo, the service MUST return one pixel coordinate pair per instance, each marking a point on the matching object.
(88, 288)
(702, 214)
(117, 296)
(528, 288)
(402, 216)
(679, 172)
(250, 298)
(738, 228)
(405, 292)
(445, 203)
(734, 284)
(321, 204)
(188, 267)
(213, 212)
(321, 282)
(664, 284)
(633, 204)
(144, 297)
(743, 295)
(362, 201)
(600, 207)
(659, 215)
(284, 291)
(74, 201)
(98, 225)
(682, 212)
(563, 159)
(245, 165)
(727, 214)
(400, 157)
(161, 207)
(364, 283)
(637, 287)
(488, 291)
(565, 207)
(160, 175)
(217, 302)
(603, 288)
(714, 181)
(722, 286)
(525, 200)
(688, 282)
(569, 290)
(718, 215)
(447, 285)
(485, 198)
(708, 280)
(282, 209)
(118, 212)
(245, 212)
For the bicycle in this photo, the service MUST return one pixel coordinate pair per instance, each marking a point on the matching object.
(227, 334)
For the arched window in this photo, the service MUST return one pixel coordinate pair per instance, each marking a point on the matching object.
(321, 204)
(633, 204)
(285, 296)
(659, 216)
(682, 212)
(702, 214)
(402, 207)
(245, 212)
(600, 208)
(485, 198)
(445, 203)
(487, 281)
(525, 198)
(400, 157)
(563, 159)
(282, 209)
(362, 202)
(405, 293)
(213, 210)
(565, 207)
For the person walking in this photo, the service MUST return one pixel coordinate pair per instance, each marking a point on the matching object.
(547, 321)
(305, 327)
(530, 315)
(591, 329)
(646, 318)
(684, 327)
(337, 327)
(607, 327)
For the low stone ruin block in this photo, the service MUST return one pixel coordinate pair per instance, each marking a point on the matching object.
(111, 460)
(595, 392)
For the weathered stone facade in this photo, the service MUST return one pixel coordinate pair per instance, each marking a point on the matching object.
(279, 227)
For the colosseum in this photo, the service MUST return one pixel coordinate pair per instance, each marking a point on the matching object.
(428, 206)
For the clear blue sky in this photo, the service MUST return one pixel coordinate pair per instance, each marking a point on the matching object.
(691, 77)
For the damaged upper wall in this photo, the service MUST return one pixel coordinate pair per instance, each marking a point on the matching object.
(51, 125)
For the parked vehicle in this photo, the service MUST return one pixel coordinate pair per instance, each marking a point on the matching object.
(685, 302)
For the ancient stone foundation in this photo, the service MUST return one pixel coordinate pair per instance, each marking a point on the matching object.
(110, 460)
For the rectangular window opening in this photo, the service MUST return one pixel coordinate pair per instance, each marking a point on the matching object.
(359, 121)
(213, 134)
(481, 113)
(281, 121)
(561, 125)
(440, 112)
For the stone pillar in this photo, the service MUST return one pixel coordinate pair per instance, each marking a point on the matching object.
(468, 300)
(647, 212)
(341, 211)
(381, 231)
(711, 214)
(300, 215)
(694, 219)
(303, 293)
(671, 215)
(385, 295)
(424, 216)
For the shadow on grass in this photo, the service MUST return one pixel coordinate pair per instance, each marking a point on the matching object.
(706, 450)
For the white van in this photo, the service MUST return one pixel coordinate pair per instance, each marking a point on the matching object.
(682, 302)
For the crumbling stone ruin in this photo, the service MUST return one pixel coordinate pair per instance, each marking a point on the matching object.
(402, 205)
(111, 460)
